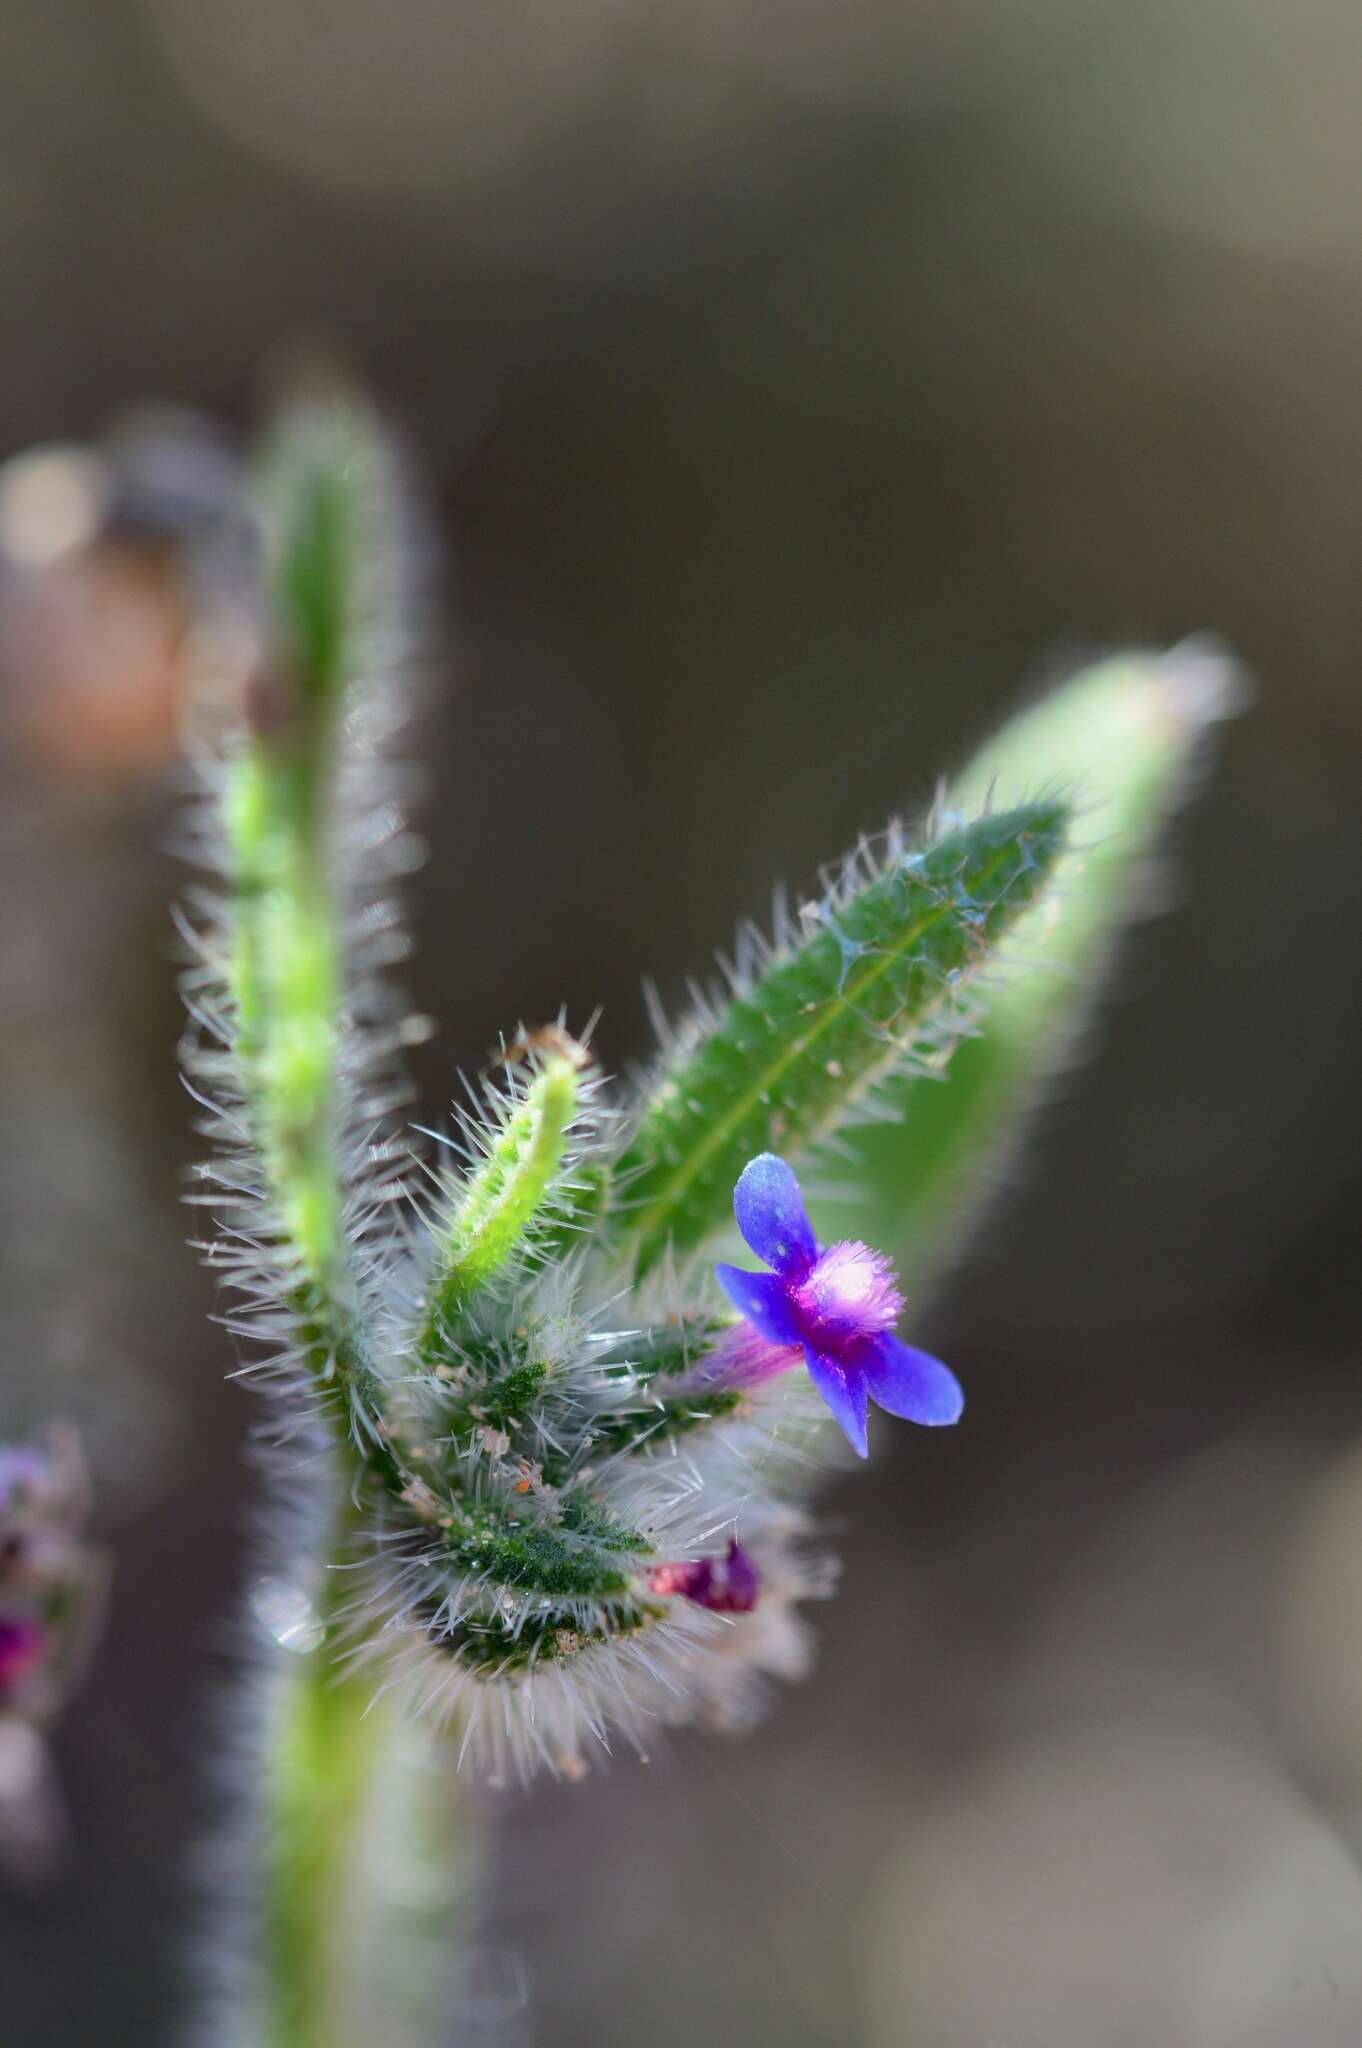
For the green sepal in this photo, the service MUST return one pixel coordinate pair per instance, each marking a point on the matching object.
(492, 1647)
(663, 1349)
(536, 1557)
(493, 1215)
(651, 1424)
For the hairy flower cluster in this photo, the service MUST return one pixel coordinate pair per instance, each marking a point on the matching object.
(565, 1477)
(574, 1479)
(586, 1541)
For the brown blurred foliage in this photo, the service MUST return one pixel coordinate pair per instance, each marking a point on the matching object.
(789, 384)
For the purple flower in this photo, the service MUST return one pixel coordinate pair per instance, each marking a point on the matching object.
(24, 1477)
(725, 1585)
(836, 1306)
(21, 1646)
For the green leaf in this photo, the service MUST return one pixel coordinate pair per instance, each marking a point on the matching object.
(322, 492)
(290, 990)
(876, 981)
(1124, 737)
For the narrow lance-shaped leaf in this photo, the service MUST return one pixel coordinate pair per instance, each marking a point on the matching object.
(286, 964)
(874, 982)
(1125, 737)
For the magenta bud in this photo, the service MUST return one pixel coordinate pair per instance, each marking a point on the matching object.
(22, 1640)
(725, 1585)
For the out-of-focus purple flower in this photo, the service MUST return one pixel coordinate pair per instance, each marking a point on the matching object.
(45, 1480)
(22, 1642)
(835, 1308)
(23, 1477)
(51, 1579)
(725, 1585)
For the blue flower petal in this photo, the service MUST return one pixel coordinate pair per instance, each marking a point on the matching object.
(771, 1216)
(909, 1382)
(764, 1299)
(843, 1389)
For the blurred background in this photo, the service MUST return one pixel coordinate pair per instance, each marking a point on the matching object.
(791, 383)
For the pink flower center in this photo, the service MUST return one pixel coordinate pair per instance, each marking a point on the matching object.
(21, 1645)
(850, 1292)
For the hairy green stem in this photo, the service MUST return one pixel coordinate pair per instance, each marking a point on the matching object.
(367, 1851)
(322, 1748)
(328, 1748)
